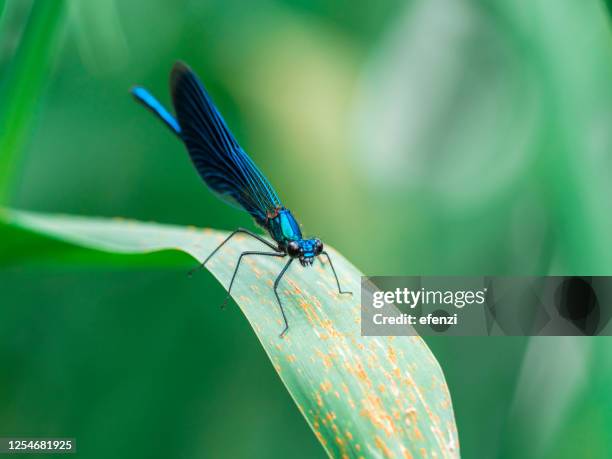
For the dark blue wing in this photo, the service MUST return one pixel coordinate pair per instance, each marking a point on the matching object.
(220, 161)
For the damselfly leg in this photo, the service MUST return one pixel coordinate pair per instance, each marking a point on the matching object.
(280, 304)
(340, 291)
(239, 230)
(244, 254)
(276, 282)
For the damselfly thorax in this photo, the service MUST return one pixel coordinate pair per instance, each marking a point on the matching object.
(285, 230)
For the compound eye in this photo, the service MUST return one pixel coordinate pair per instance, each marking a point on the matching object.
(318, 246)
(293, 249)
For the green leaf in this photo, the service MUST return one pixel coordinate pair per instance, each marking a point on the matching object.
(362, 396)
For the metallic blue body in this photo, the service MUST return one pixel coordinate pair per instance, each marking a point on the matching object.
(284, 228)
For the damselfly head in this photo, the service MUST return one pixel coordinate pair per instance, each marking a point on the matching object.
(305, 250)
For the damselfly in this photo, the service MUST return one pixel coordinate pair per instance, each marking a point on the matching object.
(232, 175)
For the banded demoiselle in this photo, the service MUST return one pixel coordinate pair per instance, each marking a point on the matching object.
(231, 174)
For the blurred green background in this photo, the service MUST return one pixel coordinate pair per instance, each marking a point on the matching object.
(420, 137)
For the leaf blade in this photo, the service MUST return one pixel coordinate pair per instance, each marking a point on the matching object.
(362, 396)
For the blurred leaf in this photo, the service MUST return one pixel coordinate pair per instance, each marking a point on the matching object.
(376, 397)
(23, 82)
(100, 37)
(450, 105)
(551, 384)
